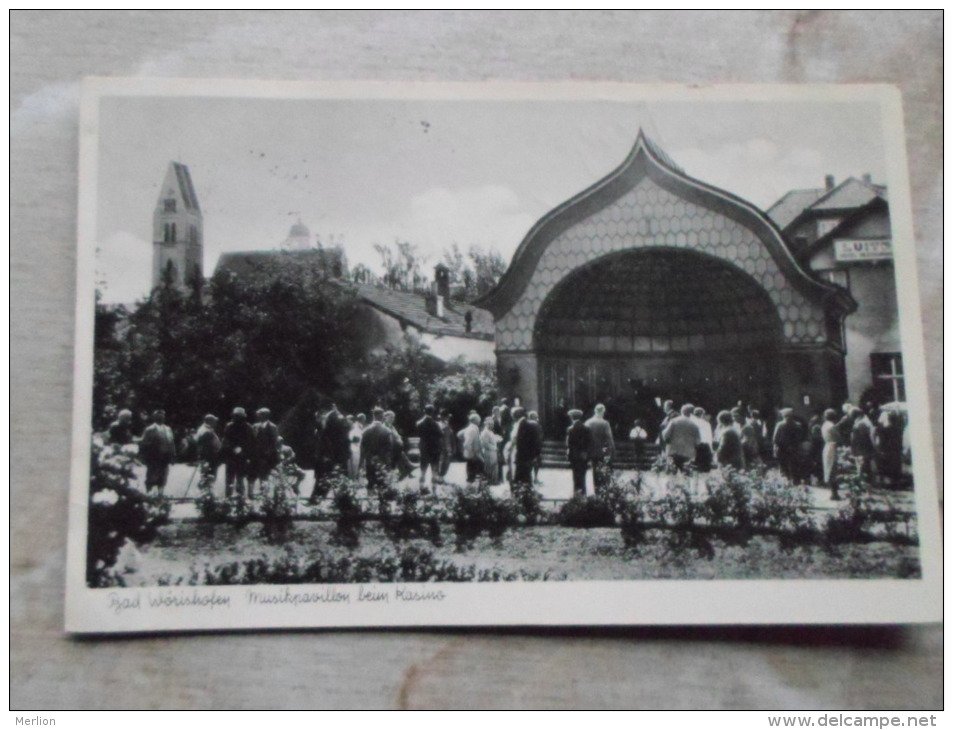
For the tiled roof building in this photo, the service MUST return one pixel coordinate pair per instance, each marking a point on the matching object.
(650, 281)
(450, 329)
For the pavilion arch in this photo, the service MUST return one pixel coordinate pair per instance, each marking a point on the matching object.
(635, 326)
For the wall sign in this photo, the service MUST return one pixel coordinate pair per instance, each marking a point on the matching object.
(870, 249)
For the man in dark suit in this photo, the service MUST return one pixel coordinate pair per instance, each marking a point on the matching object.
(578, 443)
(335, 441)
(207, 448)
(377, 451)
(157, 451)
(528, 445)
(430, 435)
(238, 450)
(601, 448)
(267, 451)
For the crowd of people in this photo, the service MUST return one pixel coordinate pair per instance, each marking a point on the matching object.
(507, 444)
(804, 452)
(496, 447)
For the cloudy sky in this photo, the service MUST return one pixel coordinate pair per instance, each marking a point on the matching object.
(432, 172)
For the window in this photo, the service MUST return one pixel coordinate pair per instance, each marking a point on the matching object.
(886, 370)
(169, 205)
(826, 225)
(841, 277)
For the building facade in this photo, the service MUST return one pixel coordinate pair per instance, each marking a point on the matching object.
(652, 285)
(842, 233)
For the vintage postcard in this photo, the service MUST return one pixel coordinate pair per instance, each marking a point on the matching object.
(496, 354)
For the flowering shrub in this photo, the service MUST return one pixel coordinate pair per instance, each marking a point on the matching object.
(411, 564)
(117, 511)
(412, 514)
(864, 510)
(528, 503)
(474, 511)
(277, 512)
(349, 514)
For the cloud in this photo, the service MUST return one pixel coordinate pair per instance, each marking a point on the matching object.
(758, 170)
(124, 265)
(488, 215)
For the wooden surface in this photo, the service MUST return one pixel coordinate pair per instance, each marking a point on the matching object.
(787, 668)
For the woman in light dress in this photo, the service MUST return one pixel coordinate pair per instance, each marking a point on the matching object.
(829, 453)
(357, 428)
(489, 442)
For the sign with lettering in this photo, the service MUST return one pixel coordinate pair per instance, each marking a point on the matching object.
(869, 249)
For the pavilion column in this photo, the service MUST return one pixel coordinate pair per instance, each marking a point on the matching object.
(812, 379)
(518, 377)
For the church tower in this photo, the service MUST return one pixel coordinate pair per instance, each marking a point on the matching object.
(177, 230)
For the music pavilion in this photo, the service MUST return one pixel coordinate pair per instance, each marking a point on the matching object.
(653, 285)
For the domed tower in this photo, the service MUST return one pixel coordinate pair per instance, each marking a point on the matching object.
(299, 238)
(177, 230)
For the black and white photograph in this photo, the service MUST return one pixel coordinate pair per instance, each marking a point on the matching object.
(464, 354)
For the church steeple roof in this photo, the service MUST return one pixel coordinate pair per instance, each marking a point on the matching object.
(180, 179)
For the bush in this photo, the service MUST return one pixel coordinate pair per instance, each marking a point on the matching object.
(349, 514)
(583, 511)
(412, 514)
(474, 511)
(117, 511)
(277, 512)
(528, 503)
(863, 510)
(272, 507)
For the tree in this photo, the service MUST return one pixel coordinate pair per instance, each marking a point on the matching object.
(275, 339)
(398, 379)
(488, 268)
(474, 274)
(464, 387)
(402, 267)
(110, 356)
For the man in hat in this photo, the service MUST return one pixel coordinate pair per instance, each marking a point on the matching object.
(266, 455)
(681, 438)
(429, 432)
(238, 449)
(207, 449)
(447, 445)
(601, 447)
(787, 443)
(399, 460)
(704, 453)
(527, 447)
(120, 430)
(377, 451)
(471, 447)
(336, 440)
(157, 451)
(578, 443)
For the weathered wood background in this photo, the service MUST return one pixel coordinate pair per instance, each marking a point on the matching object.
(736, 668)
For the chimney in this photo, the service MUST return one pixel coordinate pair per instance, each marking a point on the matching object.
(867, 179)
(828, 182)
(435, 304)
(441, 277)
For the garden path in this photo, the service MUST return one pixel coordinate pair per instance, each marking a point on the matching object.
(554, 484)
